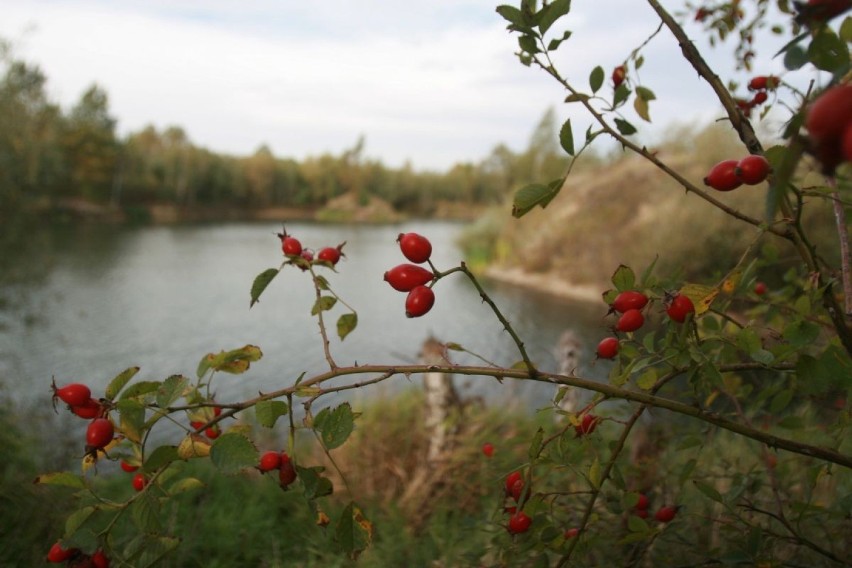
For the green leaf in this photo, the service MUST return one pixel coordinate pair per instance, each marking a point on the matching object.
(269, 411)
(323, 303)
(511, 14)
(622, 93)
(645, 94)
(315, 485)
(535, 445)
(566, 138)
(625, 127)
(792, 423)
(596, 78)
(708, 490)
(140, 390)
(623, 278)
(781, 400)
(640, 105)
(322, 283)
(171, 390)
(63, 478)
(801, 333)
(354, 532)
(260, 283)
(647, 380)
(555, 43)
(186, 485)
(639, 62)
(637, 524)
(846, 29)
(828, 52)
(77, 519)
(145, 513)
(335, 426)
(159, 458)
(528, 44)
(119, 382)
(595, 473)
(576, 97)
(534, 194)
(346, 324)
(132, 423)
(795, 58)
(552, 12)
(232, 452)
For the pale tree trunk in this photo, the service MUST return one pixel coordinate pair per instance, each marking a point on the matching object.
(442, 401)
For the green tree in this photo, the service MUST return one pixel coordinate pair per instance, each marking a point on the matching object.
(90, 145)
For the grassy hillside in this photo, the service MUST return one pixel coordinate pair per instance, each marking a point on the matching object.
(627, 211)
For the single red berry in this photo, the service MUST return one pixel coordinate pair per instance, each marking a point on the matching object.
(99, 434)
(286, 471)
(666, 514)
(571, 533)
(269, 461)
(406, 277)
(830, 114)
(197, 424)
(90, 409)
(512, 479)
(212, 432)
(330, 255)
(57, 554)
(753, 169)
(519, 523)
(631, 320)
(587, 424)
(763, 82)
(760, 288)
(618, 76)
(75, 394)
(643, 502)
(291, 246)
(139, 482)
(608, 348)
(759, 98)
(217, 411)
(679, 307)
(414, 247)
(419, 301)
(488, 449)
(99, 559)
(629, 300)
(128, 467)
(723, 176)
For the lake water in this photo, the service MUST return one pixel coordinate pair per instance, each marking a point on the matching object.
(162, 297)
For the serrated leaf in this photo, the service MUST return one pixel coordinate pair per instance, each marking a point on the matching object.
(640, 105)
(801, 333)
(76, 520)
(354, 532)
(335, 426)
(171, 390)
(193, 446)
(346, 324)
(269, 411)
(534, 194)
(511, 14)
(323, 303)
(260, 283)
(154, 549)
(140, 390)
(63, 478)
(119, 382)
(145, 513)
(132, 419)
(566, 138)
(232, 453)
(623, 278)
(708, 490)
(159, 458)
(552, 12)
(315, 485)
(624, 127)
(596, 78)
(828, 52)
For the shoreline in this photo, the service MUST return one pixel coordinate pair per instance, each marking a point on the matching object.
(548, 283)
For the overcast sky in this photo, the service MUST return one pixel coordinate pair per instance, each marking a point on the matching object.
(433, 82)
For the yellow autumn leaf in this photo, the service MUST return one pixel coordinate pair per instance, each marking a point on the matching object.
(701, 295)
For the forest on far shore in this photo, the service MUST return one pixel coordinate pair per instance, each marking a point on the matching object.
(52, 157)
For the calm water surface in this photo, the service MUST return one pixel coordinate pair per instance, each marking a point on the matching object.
(162, 297)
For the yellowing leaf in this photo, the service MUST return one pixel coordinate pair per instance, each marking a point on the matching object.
(701, 295)
(193, 446)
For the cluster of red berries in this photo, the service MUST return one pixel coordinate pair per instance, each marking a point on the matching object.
(629, 305)
(280, 461)
(292, 249)
(829, 124)
(761, 85)
(411, 278)
(519, 522)
(664, 514)
(78, 397)
(76, 557)
(728, 175)
(211, 432)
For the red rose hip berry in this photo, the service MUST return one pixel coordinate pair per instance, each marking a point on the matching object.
(269, 461)
(618, 76)
(666, 514)
(608, 348)
(139, 482)
(419, 301)
(520, 522)
(488, 449)
(99, 433)
(414, 247)
(631, 320)
(629, 300)
(753, 169)
(723, 176)
(57, 554)
(679, 308)
(760, 288)
(75, 394)
(587, 424)
(330, 254)
(90, 409)
(286, 471)
(407, 277)
(291, 246)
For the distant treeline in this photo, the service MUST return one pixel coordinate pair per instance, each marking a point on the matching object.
(49, 156)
